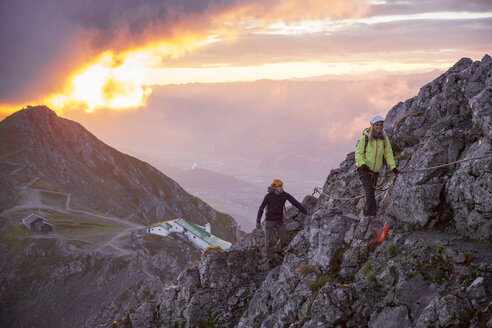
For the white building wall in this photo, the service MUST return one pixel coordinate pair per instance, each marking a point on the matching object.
(196, 241)
(176, 227)
(159, 231)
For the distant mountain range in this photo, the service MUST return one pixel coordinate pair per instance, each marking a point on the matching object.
(198, 178)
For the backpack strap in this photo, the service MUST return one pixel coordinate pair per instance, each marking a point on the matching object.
(367, 141)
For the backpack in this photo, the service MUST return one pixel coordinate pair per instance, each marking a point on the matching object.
(270, 191)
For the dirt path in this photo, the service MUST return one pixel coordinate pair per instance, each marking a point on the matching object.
(112, 218)
(110, 243)
(34, 200)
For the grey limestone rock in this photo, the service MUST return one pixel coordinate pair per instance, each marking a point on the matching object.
(415, 294)
(477, 289)
(391, 317)
(145, 316)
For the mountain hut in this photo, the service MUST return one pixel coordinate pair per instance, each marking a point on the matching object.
(37, 223)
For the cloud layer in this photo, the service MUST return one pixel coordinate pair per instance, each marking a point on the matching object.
(44, 42)
(283, 128)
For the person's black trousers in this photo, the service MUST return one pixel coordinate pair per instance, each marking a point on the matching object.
(369, 180)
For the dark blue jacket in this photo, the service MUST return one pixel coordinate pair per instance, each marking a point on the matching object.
(275, 206)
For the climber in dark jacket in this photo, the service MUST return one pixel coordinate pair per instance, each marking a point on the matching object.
(274, 201)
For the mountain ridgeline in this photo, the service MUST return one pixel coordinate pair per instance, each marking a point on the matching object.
(40, 149)
(432, 269)
(96, 263)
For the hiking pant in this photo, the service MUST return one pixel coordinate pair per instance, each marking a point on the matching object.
(369, 180)
(272, 242)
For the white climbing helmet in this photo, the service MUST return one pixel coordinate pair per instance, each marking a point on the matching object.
(377, 118)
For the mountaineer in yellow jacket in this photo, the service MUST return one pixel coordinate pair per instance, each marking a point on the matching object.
(372, 146)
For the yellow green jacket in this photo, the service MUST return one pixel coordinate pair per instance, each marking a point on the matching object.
(376, 149)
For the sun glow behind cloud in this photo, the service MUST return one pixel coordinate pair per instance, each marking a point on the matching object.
(101, 84)
(118, 81)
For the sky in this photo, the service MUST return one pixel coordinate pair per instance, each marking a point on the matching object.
(256, 89)
(89, 55)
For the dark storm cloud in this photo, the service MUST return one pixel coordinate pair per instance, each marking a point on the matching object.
(140, 19)
(31, 34)
(43, 40)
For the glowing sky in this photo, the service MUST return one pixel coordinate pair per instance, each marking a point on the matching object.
(94, 54)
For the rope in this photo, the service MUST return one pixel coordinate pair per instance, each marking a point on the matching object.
(319, 189)
(446, 164)
(378, 188)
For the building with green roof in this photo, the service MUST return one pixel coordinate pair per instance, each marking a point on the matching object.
(198, 235)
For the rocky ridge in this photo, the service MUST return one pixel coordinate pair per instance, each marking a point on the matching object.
(96, 198)
(434, 269)
(41, 148)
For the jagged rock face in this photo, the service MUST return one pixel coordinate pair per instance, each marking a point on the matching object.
(406, 282)
(442, 126)
(68, 158)
(449, 120)
(335, 271)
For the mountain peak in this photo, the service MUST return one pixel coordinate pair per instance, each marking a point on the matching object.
(39, 112)
(486, 59)
(461, 64)
(65, 157)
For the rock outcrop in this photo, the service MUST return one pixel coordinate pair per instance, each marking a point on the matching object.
(433, 269)
(448, 121)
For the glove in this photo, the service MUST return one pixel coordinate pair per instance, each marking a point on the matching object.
(396, 171)
(258, 225)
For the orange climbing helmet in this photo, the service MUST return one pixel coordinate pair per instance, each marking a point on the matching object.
(276, 183)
